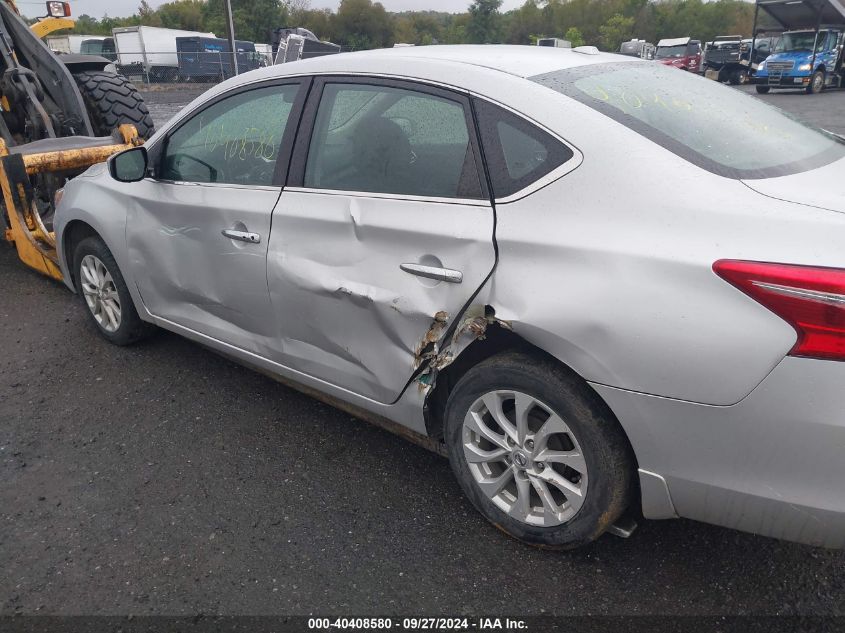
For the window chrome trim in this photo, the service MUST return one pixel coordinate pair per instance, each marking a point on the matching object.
(216, 185)
(467, 202)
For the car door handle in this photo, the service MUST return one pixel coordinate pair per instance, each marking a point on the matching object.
(434, 272)
(243, 236)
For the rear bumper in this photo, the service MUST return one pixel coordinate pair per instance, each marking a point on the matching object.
(773, 464)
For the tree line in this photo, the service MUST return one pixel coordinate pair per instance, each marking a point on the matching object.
(362, 24)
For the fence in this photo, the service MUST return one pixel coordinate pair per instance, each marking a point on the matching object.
(202, 67)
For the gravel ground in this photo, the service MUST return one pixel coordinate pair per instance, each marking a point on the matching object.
(163, 479)
(164, 104)
(826, 110)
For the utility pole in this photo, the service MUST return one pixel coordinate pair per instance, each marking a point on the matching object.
(230, 34)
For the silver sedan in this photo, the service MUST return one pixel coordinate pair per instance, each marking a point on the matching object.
(601, 286)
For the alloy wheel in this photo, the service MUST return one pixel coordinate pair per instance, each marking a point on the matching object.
(524, 458)
(100, 293)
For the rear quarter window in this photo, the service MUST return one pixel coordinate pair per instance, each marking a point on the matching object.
(518, 153)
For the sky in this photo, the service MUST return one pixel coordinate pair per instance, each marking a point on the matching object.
(121, 8)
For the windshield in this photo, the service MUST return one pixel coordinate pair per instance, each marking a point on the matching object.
(665, 52)
(91, 47)
(763, 43)
(718, 128)
(801, 42)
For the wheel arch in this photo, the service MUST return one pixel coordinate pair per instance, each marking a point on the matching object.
(80, 228)
(497, 339)
(74, 232)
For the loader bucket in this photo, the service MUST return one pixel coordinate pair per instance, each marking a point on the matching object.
(36, 245)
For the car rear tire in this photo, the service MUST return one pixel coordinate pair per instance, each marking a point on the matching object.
(816, 83)
(557, 480)
(762, 90)
(104, 293)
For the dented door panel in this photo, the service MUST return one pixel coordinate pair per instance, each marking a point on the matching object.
(347, 313)
(189, 273)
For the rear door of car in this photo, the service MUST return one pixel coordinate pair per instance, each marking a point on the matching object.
(382, 236)
(198, 230)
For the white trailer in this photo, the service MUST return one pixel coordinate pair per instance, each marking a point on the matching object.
(149, 50)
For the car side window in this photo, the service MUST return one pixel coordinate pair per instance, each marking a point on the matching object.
(382, 139)
(234, 141)
(517, 152)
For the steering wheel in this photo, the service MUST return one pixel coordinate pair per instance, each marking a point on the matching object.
(214, 174)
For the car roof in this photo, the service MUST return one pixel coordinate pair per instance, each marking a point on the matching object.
(518, 61)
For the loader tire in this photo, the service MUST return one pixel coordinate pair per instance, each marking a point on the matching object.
(112, 100)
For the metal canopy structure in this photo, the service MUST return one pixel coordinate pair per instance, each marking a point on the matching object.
(804, 14)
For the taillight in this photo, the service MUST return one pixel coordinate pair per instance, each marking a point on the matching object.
(811, 299)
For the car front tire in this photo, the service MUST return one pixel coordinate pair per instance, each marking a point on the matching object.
(537, 452)
(816, 83)
(104, 294)
(762, 90)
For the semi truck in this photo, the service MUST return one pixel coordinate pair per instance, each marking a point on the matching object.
(809, 55)
(734, 59)
(82, 45)
(149, 52)
(679, 52)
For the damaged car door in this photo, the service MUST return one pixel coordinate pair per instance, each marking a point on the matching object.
(385, 223)
(198, 229)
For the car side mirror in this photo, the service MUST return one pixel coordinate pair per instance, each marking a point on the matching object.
(129, 165)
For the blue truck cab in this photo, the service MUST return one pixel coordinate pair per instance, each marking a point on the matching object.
(808, 59)
(809, 53)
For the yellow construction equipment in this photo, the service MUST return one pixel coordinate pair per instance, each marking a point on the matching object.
(58, 116)
(36, 245)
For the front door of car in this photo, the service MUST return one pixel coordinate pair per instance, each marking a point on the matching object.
(385, 223)
(198, 230)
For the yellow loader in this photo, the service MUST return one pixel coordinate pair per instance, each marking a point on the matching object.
(59, 114)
